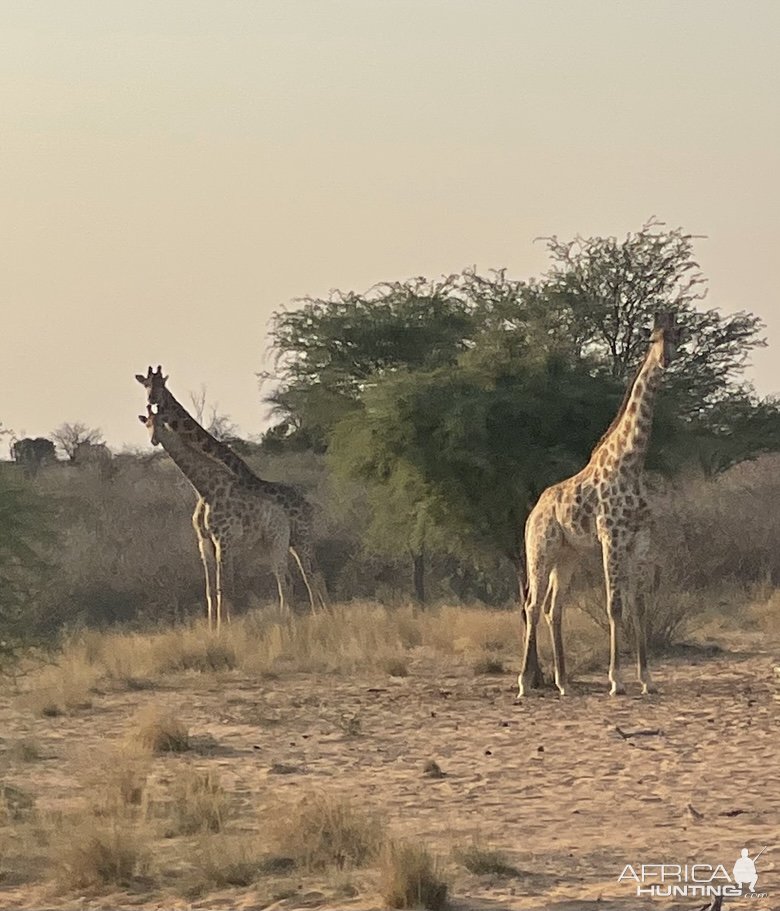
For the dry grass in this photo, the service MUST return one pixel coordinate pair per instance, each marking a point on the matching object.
(95, 856)
(396, 667)
(118, 785)
(345, 639)
(481, 860)
(227, 861)
(411, 877)
(323, 831)
(16, 803)
(199, 805)
(25, 749)
(488, 663)
(157, 731)
(63, 688)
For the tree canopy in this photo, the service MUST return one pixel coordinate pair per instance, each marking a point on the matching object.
(460, 399)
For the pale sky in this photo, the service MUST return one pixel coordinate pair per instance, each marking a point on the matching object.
(173, 171)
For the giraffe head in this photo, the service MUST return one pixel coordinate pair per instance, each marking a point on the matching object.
(154, 383)
(666, 336)
(150, 421)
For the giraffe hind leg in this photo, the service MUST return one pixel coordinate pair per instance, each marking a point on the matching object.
(305, 577)
(553, 609)
(528, 678)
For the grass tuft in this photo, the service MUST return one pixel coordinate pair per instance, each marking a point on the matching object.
(200, 803)
(481, 860)
(95, 857)
(411, 877)
(25, 749)
(159, 732)
(323, 831)
(488, 664)
(230, 861)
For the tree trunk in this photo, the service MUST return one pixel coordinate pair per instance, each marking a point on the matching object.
(418, 565)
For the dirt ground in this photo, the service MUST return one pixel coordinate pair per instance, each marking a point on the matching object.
(570, 789)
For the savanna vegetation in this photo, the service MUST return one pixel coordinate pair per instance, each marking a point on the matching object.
(423, 418)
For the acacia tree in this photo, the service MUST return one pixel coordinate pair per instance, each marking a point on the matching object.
(595, 305)
(454, 458)
(70, 436)
(606, 292)
(328, 352)
(366, 372)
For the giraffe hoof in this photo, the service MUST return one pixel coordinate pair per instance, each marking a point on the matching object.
(524, 686)
(649, 689)
(617, 689)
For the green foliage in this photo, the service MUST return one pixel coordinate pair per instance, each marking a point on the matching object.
(456, 402)
(455, 457)
(24, 532)
(329, 352)
(604, 293)
(594, 306)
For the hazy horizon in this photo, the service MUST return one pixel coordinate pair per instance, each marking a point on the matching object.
(173, 173)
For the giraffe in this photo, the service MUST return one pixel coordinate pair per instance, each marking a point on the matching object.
(227, 514)
(604, 504)
(298, 508)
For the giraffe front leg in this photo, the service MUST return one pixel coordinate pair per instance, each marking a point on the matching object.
(207, 556)
(530, 675)
(640, 635)
(616, 596)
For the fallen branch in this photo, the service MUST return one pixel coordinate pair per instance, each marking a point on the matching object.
(646, 732)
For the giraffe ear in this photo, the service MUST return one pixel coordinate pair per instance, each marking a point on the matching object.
(141, 418)
(141, 378)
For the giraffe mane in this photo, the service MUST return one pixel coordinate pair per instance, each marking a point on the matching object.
(623, 405)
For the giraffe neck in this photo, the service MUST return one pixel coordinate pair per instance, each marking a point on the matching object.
(196, 436)
(627, 442)
(203, 473)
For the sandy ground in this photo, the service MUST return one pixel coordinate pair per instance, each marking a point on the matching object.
(551, 782)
